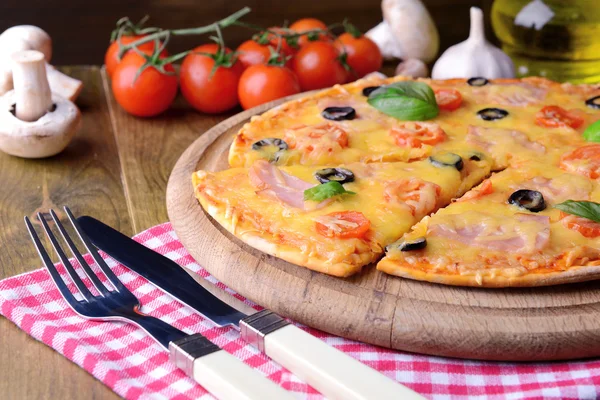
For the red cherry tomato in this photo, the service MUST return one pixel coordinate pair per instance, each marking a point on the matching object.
(263, 83)
(252, 53)
(318, 66)
(364, 55)
(583, 160)
(556, 117)
(111, 58)
(586, 227)
(148, 95)
(309, 24)
(209, 94)
(354, 225)
(448, 99)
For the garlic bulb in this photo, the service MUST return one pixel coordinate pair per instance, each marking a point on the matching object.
(474, 57)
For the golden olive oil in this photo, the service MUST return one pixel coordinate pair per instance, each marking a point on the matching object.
(557, 39)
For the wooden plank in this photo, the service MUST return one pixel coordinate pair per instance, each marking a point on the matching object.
(87, 177)
(148, 149)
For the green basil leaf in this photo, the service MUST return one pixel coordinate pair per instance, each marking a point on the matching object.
(325, 191)
(407, 100)
(585, 209)
(592, 132)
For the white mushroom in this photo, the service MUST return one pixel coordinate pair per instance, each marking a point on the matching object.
(29, 37)
(413, 68)
(407, 31)
(34, 123)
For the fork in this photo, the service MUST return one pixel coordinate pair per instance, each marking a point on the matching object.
(217, 371)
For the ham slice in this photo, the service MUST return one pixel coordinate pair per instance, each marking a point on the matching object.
(524, 233)
(559, 189)
(501, 141)
(275, 183)
(512, 94)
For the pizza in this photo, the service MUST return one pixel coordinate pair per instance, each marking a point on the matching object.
(334, 181)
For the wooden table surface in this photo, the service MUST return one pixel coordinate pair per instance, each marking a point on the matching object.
(116, 169)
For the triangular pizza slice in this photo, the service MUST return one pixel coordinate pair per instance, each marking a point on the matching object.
(334, 219)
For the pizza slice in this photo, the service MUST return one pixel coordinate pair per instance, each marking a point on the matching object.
(506, 232)
(333, 219)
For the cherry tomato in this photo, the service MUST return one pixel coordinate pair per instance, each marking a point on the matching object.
(358, 225)
(364, 55)
(263, 83)
(148, 95)
(583, 160)
(111, 58)
(209, 94)
(318, 66)
(309, 24)
(418, 196)
(556, 117)
(416, 134)
(586, 227)
(483, 189)
(448, 99)
(252, 53)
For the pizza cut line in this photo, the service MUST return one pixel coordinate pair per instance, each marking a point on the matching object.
(329, 182)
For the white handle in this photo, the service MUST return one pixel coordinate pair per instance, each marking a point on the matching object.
(332, 372)
(226, 377)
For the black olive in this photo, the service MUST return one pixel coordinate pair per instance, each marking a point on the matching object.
(403, 245)
(341, 175)
(594, 102)
(530, 200)
(338, 113)
(476, 157)
(478, 81)
(491, 114)
(447, 160)
(368, 90)
(280, 144)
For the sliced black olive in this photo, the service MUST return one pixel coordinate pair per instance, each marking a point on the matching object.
(280, 144)
(491, 114)
(594, 102)
(530, 200)
(476, 157)
(341, 175)
(368, 90)
(478, 81)
(409, 245)
(447, 160)
(338, 113)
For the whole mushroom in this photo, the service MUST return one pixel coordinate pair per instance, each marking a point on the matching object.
(34, 122)
(29, 37)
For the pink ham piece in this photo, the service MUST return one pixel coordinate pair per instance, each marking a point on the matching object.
(487, 138)
(519, 94)
(275, 183)
(525, 233)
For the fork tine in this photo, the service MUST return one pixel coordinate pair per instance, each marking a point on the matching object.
(92, 250)
(86, 268)
(65, 261)
(60, 284)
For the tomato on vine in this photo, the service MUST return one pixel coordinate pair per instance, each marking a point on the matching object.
(262, 83)
(310, 24)
(363, 54)
(319, 65)
(144, 83)
(209, 78)
(258, 50)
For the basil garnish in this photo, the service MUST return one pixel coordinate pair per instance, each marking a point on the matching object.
(325, 191)
(585, 209)
(407, 100)
(592, 132)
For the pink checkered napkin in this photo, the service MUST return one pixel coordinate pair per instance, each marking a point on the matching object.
(135, 367)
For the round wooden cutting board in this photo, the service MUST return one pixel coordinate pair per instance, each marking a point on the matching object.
(547, 323)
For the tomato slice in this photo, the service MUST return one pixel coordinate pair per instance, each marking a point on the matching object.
(303, 137)
(556, 117)
(483, 189)
(583, 160)
(419, 196)
(448, 99)
(416, 134)
(587, 227)
(343, 224)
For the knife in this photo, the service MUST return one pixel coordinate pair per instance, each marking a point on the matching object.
(332, 372)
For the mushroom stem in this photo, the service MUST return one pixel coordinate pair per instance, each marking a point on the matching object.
(33, 98)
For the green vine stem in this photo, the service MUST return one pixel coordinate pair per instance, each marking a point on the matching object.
(161, 34)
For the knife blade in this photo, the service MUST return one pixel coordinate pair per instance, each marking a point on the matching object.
(161, 271)
(330, 371)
